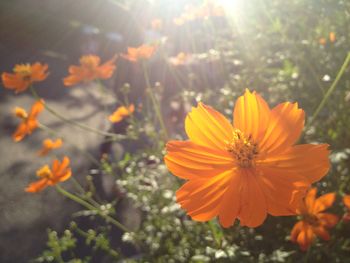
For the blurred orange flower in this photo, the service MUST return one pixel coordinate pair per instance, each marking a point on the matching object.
(246, 170)
(60, 172)
(24, 75)
(332, 37)
(49, 145)
(29, 121)
(121, 113)
(89, 70)
(313, 221)
(346, 201)
(138, 53)
(181, 59)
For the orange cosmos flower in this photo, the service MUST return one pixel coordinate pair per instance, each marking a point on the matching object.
(346, 201)
(89, 70)
(138, 53)
(121, 113)
(49, 145)
(332, 37)
(246, 170)
(181, 59)
(24, 75)
(60, 172)
(29, 121)
(313, 221)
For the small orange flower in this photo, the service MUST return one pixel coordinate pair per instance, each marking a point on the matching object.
(138, 53)
(246, 170)
(346, 201)
(24, 75)
(322, 41)
(89, 70)
(181, 59)
(313, 221)
(49, 145)
(29, 121)
(121, 113)
(332, 37)
(60, 172)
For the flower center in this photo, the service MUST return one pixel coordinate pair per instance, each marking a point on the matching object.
(311, 219)
(44, 172)
(24, 70)
(21, 113)
(243, 149)
(89, 62)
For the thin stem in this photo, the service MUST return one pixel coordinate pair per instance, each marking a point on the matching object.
(154, 101)
(91, 207)
(74, 123)
(331, 89)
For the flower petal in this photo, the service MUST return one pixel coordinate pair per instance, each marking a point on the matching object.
(283, 190)
(305, 237)
(324, 202)
(230, 203)
(253, 209)
(298, 227)
(251, 115)
(201, 198)
(207, 127)
(328, 220)
(188, 160)
(322, 233)
(308, 160)
(284, 128)
(346, 201)
(37, 186)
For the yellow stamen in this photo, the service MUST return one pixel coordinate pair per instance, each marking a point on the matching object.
(44, 172)
(243, 149)
(20, 113)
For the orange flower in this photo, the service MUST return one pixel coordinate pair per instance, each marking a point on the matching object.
(49, 145)
(24, 75)
(322, 41)
(346, 201)
(60, 172)
(89, 70)
(121, 113)
(141, 52)
(181, 59)
(332, 37)
(29, 121)
(313, 221)
(247, 169)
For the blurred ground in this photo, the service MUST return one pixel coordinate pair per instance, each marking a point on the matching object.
(57, 33)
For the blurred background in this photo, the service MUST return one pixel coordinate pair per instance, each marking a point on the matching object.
(206, 51)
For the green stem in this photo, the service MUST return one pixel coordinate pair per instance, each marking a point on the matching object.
(154, 101)
(91, 207)
(331, 89)
(74, 123)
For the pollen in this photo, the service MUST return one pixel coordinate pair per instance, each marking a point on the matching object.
(44, 172)
(243, 149)
(23, 69)
(20, 113)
